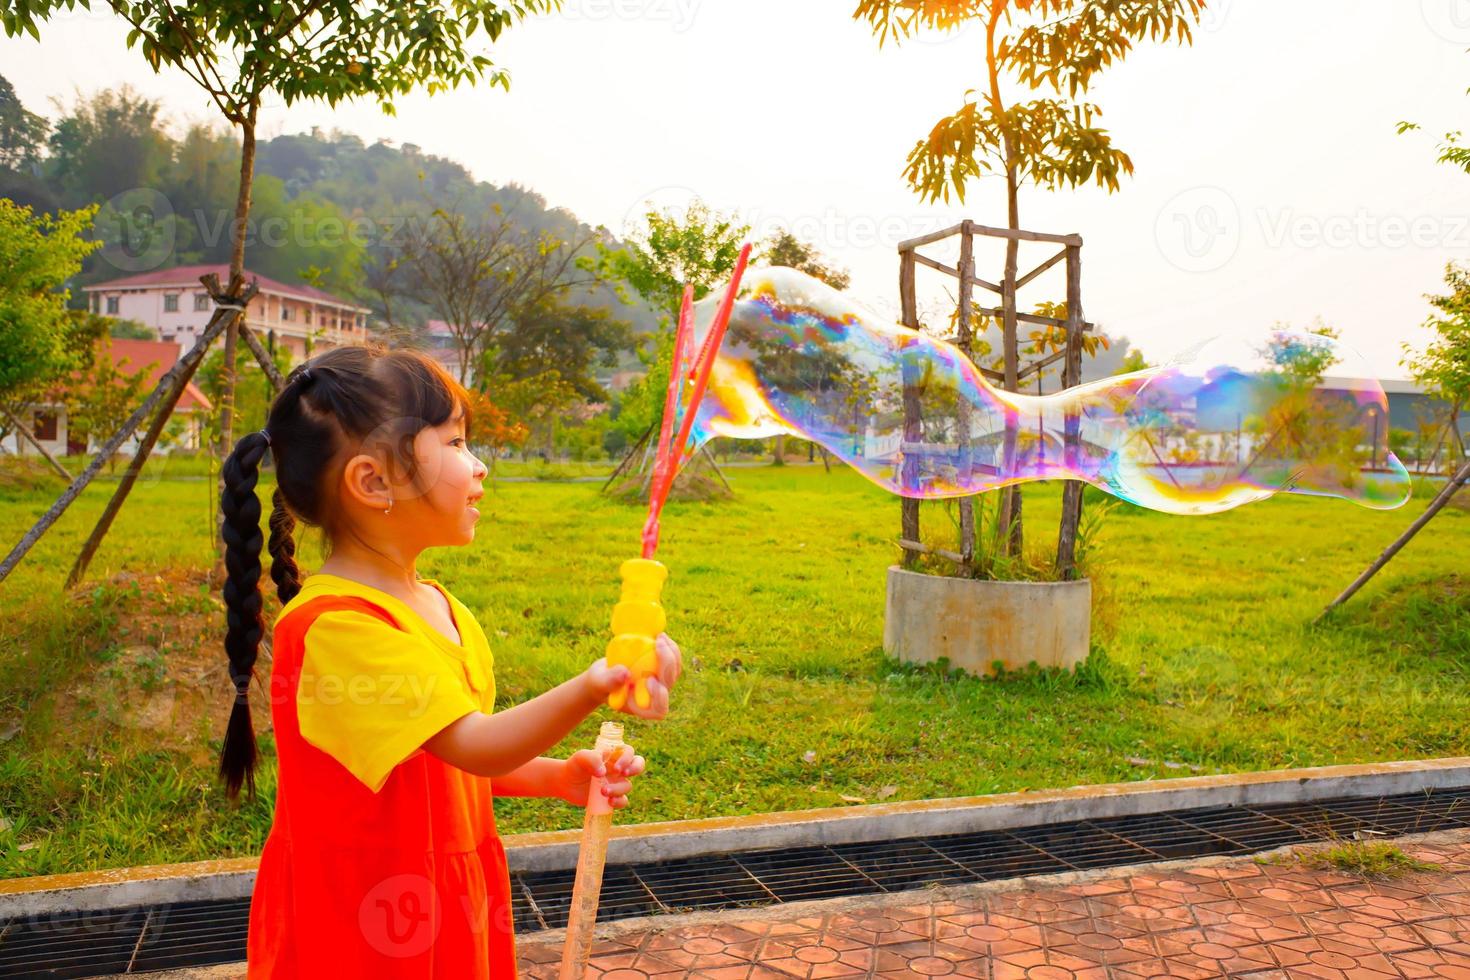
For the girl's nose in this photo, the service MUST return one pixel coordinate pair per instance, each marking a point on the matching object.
(480, 469)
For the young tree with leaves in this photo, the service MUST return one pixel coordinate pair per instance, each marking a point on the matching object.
(1443, 367)
(38, 254)
(1056, 45)
(552, 334)
(103, 396)
(698, 246)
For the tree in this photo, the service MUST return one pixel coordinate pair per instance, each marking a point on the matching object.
(480, 276)
(1134, 362)
(22, 133)
(38, 254)
(553, 335)
(1052, 142)
(1443, 367)
(698, 246)
(110, 142)
(785, 249)
(80, 331)
(535, 403)
(104, 396)
(493, 427)
(295, 50)
(253, 389)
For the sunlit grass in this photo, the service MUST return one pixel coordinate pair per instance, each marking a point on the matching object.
(1203, 656)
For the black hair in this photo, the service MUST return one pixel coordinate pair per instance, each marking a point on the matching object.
(334, 401)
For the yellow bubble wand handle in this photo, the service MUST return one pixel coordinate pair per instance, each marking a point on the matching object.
(637, 620)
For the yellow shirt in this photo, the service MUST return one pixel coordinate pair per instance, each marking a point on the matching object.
(370, 695)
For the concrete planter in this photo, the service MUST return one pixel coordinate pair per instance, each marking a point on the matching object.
(975, 623)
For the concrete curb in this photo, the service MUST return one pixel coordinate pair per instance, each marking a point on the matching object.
(636, 843)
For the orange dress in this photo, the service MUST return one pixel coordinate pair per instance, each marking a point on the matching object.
(382, 862)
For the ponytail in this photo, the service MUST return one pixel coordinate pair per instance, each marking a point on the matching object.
(284, 570)
(244, 623)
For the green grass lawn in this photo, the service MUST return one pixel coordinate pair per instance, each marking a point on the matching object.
(1203, 657)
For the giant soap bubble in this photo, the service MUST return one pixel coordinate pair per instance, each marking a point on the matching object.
(1233, 422)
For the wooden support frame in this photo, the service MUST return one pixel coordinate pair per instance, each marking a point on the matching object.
(1071, 356)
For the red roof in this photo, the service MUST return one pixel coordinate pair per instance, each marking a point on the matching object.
(158, 356)
(187, 276)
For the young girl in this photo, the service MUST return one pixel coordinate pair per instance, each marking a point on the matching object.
(383, 860)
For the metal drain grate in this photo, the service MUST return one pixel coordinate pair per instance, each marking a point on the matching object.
(183, 934)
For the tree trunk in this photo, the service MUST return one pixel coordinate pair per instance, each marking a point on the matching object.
(236, 276)
(237, 273)
(912, 428)
(963, 337)
(1071, 376)
(1008, 520)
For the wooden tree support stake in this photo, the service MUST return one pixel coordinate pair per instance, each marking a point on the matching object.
(1455, 484)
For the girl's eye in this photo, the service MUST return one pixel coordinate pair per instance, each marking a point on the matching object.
(456, 441)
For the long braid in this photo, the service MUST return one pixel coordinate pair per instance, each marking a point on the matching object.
(244, 623)
(284, 570)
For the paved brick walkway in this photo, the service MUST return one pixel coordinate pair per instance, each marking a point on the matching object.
(1237, 919)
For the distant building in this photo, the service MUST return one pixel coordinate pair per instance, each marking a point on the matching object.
(48, 420)
(175, 303)
(1408, 404)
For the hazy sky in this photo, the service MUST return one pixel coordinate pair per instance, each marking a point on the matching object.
(1270, 183)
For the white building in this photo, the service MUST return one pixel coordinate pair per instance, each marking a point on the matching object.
(173, 302)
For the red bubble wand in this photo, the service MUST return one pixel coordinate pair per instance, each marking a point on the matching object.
(638, 618)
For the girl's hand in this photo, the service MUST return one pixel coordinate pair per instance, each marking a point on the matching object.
(603, 680)
(578, 772)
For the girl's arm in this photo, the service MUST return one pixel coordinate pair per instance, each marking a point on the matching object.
(539, 777)
(497, 745)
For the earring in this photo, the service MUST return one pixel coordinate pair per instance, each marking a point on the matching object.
(390, 505)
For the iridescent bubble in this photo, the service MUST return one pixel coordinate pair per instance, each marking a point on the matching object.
(1233, 422)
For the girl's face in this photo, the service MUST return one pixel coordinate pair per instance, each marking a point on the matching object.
(436, 509)
(443, 510)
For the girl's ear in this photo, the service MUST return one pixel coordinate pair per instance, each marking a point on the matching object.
(365, 482)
